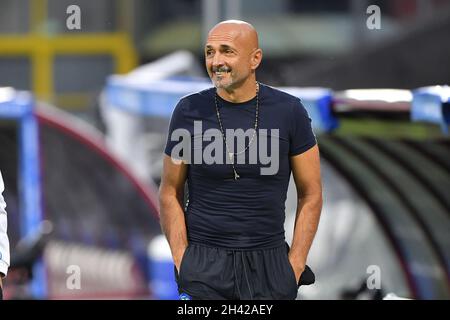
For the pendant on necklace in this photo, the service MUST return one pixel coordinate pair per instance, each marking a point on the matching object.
(236, 176)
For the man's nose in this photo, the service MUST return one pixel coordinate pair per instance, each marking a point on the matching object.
(217, 60)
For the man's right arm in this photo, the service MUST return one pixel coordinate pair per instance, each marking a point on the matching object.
(171, 193)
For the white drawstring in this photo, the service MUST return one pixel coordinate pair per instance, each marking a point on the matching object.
(246, 278)
(245, 274)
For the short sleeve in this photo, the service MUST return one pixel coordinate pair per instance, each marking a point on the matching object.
(177, 121)
(302, 137)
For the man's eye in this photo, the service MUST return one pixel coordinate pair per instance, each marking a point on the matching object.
(208, 53)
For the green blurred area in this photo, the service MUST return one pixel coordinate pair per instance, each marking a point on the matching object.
(385, 128)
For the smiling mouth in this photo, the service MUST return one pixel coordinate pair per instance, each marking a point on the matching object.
(221, 71)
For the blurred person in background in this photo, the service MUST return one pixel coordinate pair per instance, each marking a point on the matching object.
(4, 241)
(231, 244)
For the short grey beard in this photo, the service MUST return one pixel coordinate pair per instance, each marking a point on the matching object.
(221, 86)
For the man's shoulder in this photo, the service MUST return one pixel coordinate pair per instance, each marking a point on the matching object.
(280, 98)
(279, 95)
(193, 103)
(197, 97)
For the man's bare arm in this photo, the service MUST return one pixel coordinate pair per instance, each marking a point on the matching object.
(171, 193)
(306, 173)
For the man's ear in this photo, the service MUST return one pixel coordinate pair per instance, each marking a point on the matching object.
(256, 58)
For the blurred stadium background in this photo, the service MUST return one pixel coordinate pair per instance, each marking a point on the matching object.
(84, 114)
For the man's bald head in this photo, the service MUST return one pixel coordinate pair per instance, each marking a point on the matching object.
(232, 54)
(239, 30)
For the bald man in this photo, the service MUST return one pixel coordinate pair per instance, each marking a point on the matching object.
(236, 145)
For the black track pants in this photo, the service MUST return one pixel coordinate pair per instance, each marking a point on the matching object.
(216, 273)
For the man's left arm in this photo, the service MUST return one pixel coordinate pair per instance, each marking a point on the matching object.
(306, 173)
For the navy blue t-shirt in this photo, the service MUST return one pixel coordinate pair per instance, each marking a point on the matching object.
(249, 212)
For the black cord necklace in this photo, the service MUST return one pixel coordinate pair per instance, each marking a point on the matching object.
(232, 154)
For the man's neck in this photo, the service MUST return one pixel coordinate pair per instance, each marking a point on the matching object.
(244, 93)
